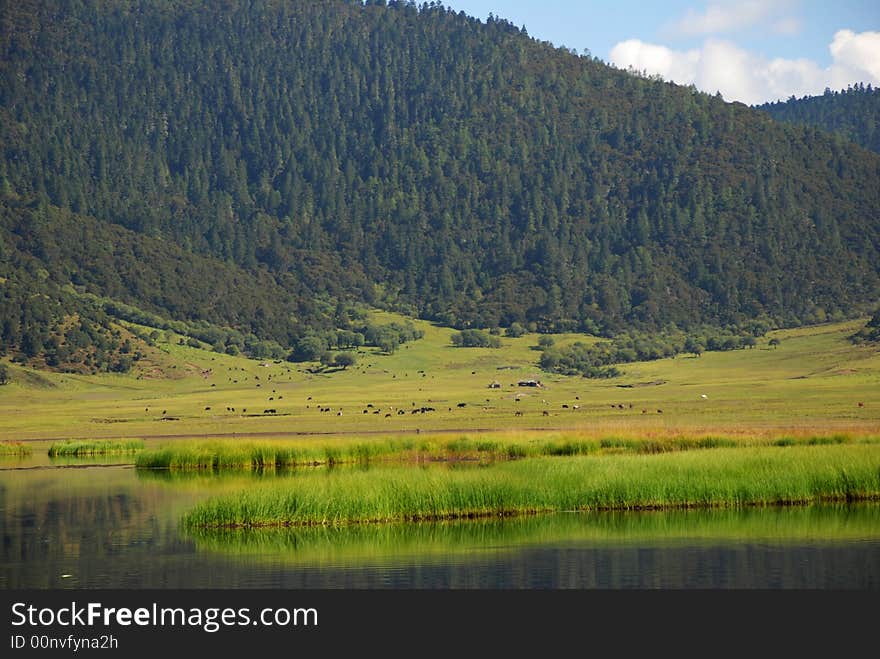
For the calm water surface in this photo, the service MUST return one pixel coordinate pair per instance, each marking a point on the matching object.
(112, 527)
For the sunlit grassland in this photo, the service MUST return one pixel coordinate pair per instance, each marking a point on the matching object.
(812, 383)
(398, 543)
(715, 478)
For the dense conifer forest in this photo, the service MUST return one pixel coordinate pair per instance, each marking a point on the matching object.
(258, 171)
(852, 113)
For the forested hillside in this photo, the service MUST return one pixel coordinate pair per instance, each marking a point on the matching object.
(853, 113)
(254, 165)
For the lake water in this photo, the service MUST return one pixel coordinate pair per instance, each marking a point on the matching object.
(101, 526)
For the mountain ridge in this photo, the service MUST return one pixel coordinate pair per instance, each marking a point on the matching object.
(413, 158)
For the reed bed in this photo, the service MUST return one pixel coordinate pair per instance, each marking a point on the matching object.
(95, 447)
(221, 456)
(14, 448)
(722, 477)
(267, 455)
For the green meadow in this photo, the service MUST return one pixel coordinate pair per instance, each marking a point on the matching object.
(436, 433)
(815, 382)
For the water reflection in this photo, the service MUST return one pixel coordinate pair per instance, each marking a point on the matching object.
(115, 528)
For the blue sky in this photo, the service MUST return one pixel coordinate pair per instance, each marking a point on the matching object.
(749, 50)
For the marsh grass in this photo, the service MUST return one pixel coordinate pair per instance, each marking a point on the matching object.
(14, 448)
(224, 455)
(95, 447)
(819, 440)
(719, 478)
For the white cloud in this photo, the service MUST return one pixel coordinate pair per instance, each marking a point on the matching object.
(671, 64)
(722, 17)
(740, 75)
(856, 57)
(732, 15)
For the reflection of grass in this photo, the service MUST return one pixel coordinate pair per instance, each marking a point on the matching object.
(14, 448)
(95, 447)
(397, 543)
(720, 477)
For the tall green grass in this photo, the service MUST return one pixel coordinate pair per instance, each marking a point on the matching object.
(95, 447)
(722, 477)
(261, 455)
(230, 455)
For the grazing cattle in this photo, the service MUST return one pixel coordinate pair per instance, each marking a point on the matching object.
(861, 404)
(269, 411)
(462, 404)
(546, 413)
(270, 398)
(387, 415)
(164, 411)
(366, 411)
(517, 413)
(207, 409)
(620, 406)
(369, 405)
(577, 407)
(644, 411)
(659, 411)
(376, 411)
(565, 407)
(339, 413)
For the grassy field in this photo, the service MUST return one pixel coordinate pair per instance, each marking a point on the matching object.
(712, 478)
(814, 383)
